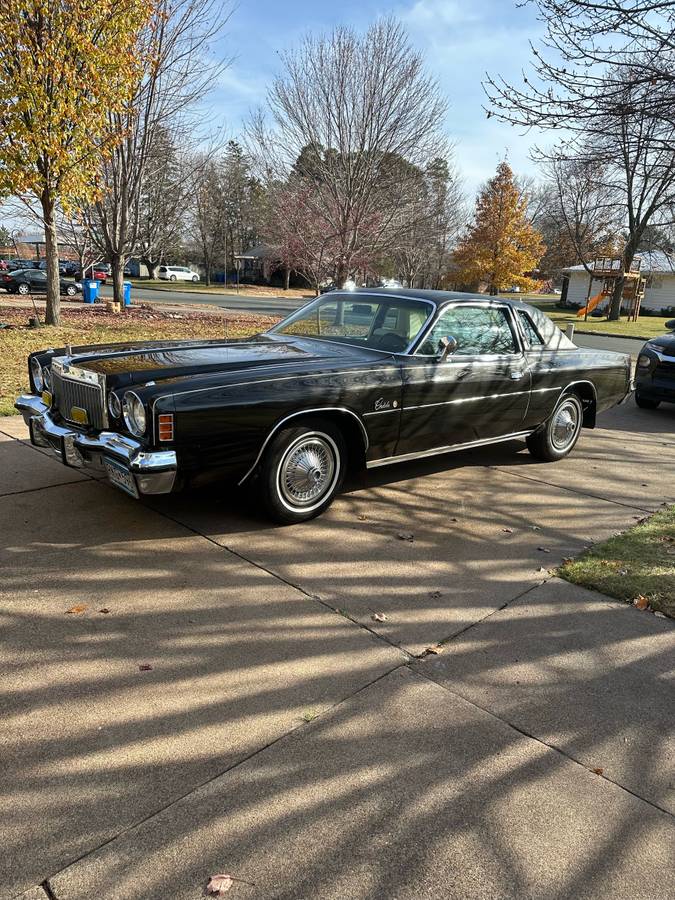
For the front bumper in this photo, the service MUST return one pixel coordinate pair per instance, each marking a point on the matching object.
(127, 465)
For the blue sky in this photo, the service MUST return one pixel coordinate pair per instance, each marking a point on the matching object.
(459, 39)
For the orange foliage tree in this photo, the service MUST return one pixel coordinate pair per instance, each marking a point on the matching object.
(64, 66)
(501, 245)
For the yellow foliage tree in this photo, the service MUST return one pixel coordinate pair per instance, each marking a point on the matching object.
(501, 245)
(65, 65)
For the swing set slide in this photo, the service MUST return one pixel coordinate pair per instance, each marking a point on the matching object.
(592, 303)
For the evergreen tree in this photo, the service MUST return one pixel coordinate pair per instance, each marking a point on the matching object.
(501, 244)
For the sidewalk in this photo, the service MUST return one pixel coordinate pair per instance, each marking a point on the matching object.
(283, 736)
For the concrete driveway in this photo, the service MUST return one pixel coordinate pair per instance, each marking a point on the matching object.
(188, 690)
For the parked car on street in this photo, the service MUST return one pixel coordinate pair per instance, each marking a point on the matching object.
(23, 264)
(34, 281)
(95, 272)
(354, 378)
(655, 371)
(177, 273)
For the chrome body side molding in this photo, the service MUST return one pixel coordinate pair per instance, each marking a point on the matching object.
(452, 448)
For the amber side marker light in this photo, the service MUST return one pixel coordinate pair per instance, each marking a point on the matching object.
(165, 426)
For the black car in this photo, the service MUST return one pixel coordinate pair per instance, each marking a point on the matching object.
(34, 281)
(359, 378)
(655, 371)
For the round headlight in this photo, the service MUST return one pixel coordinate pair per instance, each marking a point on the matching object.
(114, 405)
(644, 362)
(36, 372)
(134, 413)
(47, 377)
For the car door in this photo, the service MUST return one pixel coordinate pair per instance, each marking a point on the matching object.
(477, 393)
(38, 281)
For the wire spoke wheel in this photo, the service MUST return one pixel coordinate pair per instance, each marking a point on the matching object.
(307, 470)
(565, 425)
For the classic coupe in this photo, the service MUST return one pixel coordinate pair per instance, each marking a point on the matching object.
(655, 371)
(359, 378)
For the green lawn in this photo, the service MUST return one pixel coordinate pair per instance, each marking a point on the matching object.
(638, 563)
(645, 327)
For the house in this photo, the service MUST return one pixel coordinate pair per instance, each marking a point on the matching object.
(657, 268)
(256, 264)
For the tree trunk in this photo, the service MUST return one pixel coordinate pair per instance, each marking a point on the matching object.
(151, 266)
(117, 266)
(287, 277)
(341, 275)
(53, 311)
(617, 293)
(207, 274)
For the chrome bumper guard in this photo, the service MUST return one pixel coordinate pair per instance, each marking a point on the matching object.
(121, 458)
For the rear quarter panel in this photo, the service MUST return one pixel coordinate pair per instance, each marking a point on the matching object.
(553, 371)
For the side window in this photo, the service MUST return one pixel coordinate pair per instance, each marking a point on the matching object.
(534, 339)
(477, 330)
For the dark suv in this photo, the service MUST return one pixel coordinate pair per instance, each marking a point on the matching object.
(655, 371)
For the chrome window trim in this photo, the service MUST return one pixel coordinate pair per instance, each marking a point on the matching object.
(450, 448)
(366, 293)
(304, 412)
(451, 304)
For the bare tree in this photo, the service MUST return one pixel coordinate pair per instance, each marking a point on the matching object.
(605, 101)
(364, 115)
(178, 75)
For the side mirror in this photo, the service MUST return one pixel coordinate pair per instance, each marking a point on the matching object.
(670, 325)
(446, 345)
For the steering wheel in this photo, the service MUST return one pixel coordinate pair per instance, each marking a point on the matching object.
(391, 342)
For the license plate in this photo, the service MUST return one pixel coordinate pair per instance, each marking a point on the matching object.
(121, 477)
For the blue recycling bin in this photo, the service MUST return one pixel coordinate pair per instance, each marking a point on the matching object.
(90, 291)
(127, 293)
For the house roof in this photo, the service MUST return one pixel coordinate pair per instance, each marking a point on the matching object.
(653, 262)
(260, 251)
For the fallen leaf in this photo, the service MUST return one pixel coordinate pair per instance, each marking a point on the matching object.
(406, 536)
(435, 595)
(145, 667)
(622, 572)
(434, 650)
(535, 527)
(640, 602)
(77, 609)
(362, 517)
(544, 549)
(219, 884)
(507, 530)
(379, 617)
(598, 771)
(105, 610)
(542, 569)
(660, 615)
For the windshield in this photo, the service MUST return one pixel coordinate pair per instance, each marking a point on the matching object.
(365, 320)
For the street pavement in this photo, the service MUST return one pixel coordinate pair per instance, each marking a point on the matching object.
(188, 689)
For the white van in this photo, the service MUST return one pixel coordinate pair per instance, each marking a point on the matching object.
(177, 273)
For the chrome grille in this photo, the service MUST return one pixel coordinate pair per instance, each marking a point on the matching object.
(69, 392)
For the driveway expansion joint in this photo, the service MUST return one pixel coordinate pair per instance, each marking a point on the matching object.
(230, 768)
(533, 737)
(569, 490)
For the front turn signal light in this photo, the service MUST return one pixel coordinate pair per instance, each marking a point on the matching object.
(165, 426)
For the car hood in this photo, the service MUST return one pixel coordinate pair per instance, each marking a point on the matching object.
(664, 344)
(167, 360)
